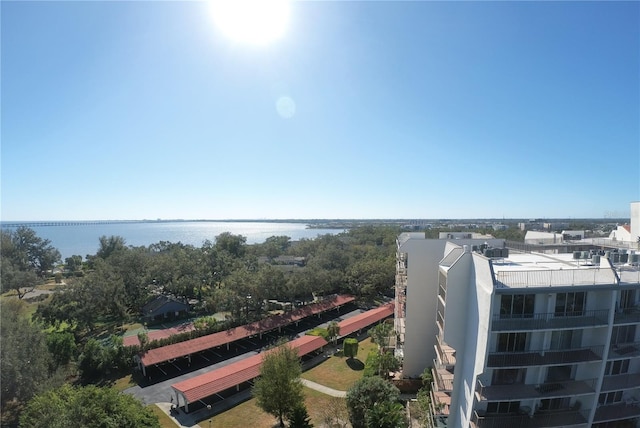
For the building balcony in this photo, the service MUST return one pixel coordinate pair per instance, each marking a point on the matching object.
(544, 357)
(440, 403)
(560, 418)
(617, 412)
(442, 379)
(627, 316)
(550, 321)
(539, 391)
(445, 353)
(620, 382)
(624, 350)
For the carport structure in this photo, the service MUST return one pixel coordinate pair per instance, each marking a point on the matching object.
(365, 319)
(187, 348)
(235, 374)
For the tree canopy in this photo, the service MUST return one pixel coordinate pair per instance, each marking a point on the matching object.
(25, 362)
(25, 257)
(278, 390)
(366, 394)
(89, 406)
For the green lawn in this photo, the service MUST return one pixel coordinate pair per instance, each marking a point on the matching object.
(338, 372)
(250, 415)
(165, 420)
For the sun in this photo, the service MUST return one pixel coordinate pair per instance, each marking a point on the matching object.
(255, 22)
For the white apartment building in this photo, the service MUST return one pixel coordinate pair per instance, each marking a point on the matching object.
(524, 339)
(416, 291)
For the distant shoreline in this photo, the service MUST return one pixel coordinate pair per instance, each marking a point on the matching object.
(310, 223)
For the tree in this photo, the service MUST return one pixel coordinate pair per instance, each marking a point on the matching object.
(350, 346)
(387, 362)
(235, 245)
(367, 393)
(278, 390)
(73, 263)
(335, 414)
(88, 406)
(110, 245)
(25, 256)
(12, 278)
(372, 275)
(333, 331)
(386, 414)
(275, 246)
(93, 360)
(62, 346)
(299, 417)
(26, 366)
(380, 334)
(143, 338)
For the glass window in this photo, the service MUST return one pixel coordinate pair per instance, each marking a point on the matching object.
(508, 376)
(570, 304)
(517, 306)
(610, 397)
(623, 334)
(512, 342)
(503, 407)
(617, 367)
(566, 339)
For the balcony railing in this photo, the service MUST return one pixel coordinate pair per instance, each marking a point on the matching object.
(620, 382)
(528, 391)
(550, 278)
(627, 316)
(617, 412)
(442, 379)
(440, 402)
(560, 418)
(544, 357)
(446, 354)
(624, 350)
(550, 321)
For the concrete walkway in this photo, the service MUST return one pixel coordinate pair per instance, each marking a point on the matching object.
(182, 420)
(324, 389)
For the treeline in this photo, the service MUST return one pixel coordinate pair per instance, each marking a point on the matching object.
(224, 275)
(70, 336)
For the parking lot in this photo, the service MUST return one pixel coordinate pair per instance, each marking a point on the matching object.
(156, 387)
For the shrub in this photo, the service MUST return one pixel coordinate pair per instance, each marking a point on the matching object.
(319, 331)
(350, 347)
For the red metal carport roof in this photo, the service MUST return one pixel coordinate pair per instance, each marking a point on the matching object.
(192, 346)
(226, 377)
(365, 319)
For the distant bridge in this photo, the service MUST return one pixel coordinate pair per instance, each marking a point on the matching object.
(9, 225)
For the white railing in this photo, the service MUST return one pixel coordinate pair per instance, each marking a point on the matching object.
(550, 278)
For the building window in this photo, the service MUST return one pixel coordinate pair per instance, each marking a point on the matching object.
(503, 407)
(623, 334)
(555, 403)
(517, 306)
(627, 299)
(610, 397)
(566, 339)
(570, 304)
(508, 376)
(616, 367)
(512, 342)
(560, 373)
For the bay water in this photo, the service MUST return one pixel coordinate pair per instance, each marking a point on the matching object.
(83, 238)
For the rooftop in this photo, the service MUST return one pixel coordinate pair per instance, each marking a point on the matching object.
(522, 270)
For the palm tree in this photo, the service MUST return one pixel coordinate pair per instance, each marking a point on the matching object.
(333, 331)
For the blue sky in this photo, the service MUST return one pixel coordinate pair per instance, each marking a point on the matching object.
(142, 109)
